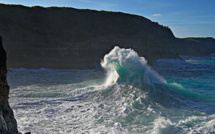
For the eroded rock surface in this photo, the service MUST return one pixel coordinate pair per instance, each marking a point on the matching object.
(7, 121)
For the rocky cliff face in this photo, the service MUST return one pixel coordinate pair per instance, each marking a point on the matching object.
(67, 38)
(195, 46)
(7, 120)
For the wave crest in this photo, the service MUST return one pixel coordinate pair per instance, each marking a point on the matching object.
(124, 65)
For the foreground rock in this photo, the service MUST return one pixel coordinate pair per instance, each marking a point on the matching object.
(67, 38)
(7, 121)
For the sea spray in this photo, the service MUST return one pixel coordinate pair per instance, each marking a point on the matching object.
(133, 99)
(125, 65)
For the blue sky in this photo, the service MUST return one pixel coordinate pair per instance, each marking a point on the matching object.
(186, 18)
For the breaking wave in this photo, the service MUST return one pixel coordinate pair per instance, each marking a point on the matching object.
(129, 97)
(125, 67)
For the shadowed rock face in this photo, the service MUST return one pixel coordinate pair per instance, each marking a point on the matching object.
(7, 120)
(67, 38)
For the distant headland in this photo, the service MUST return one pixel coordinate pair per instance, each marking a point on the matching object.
(68, 38)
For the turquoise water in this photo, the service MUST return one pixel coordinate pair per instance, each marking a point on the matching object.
(125, 95)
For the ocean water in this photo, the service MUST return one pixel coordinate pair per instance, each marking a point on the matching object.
(124, 96)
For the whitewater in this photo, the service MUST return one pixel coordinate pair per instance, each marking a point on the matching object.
(123, 96)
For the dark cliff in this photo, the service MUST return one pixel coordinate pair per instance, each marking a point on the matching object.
(195, 46)
(68, 38)
(7, 120)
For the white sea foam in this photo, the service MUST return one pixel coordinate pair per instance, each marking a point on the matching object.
(124, 64)
(78, 101)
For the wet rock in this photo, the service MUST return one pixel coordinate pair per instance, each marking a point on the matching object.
(7, 121)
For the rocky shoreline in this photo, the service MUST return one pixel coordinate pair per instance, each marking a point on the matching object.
(68, 38)
(7, 121)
